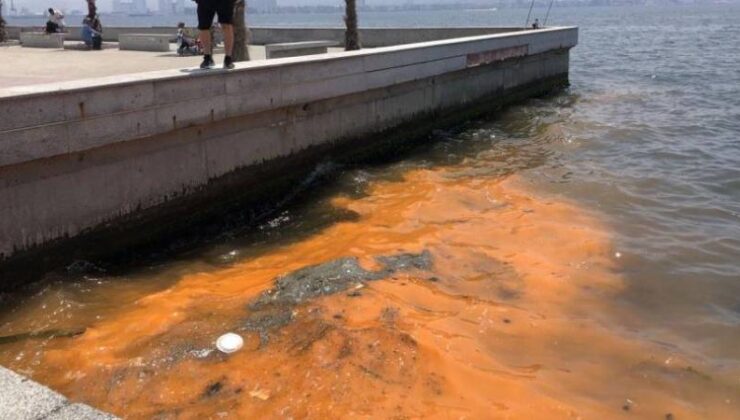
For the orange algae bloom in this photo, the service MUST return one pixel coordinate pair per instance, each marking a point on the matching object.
(510, 320)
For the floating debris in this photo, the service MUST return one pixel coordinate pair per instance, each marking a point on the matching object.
(230, 343)
(260, 394)
(201, 354)
(628, 403)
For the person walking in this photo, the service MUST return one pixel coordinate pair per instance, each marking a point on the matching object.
(207, 10)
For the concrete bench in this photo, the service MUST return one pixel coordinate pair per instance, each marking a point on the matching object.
(42, 40)
(294, 49)
(144, 42)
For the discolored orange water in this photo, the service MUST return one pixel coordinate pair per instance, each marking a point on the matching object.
(513, 320)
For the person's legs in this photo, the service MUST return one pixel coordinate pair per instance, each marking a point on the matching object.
(205, 39)
(228, 38)
(226, 19)
(206, 13)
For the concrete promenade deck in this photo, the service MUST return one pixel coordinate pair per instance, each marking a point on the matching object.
(31, 66)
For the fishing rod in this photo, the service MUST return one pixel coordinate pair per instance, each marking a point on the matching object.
(548, 13)
(526, 24)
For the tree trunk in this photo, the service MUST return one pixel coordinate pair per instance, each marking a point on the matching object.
(351, 36)
(241, 33)
(3, 34)
(92, 10)
(92, 13)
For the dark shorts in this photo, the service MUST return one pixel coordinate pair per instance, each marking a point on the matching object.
(51, 27)
(207, 9)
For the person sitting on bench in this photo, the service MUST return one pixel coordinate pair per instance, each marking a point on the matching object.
(55, 22)
(90, 36)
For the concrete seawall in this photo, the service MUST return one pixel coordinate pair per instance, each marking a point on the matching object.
(81, 157)
(24, 399)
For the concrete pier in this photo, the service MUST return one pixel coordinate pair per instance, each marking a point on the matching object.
(82, 158)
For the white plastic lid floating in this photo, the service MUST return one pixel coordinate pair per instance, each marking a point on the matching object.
(229, 343)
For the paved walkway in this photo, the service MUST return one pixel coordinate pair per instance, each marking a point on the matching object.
(24, 399)
(29, 66)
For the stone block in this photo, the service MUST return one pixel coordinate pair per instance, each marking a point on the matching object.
(295, 49)
(42, 40)
(144, 42)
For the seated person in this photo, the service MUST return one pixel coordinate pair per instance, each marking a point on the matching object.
(55, 22)
(184, 33)
(186, 42)
(95, 23)
(89, 34)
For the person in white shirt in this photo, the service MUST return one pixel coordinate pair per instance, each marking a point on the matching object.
(55, 22)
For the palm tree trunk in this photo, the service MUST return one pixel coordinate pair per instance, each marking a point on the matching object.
(351, 36)
(3, 34)
(92, 10)
(241, 33)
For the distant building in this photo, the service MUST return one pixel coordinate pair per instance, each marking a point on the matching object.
(165, 7)
(262, 5)
(131, 7)
(179, 7)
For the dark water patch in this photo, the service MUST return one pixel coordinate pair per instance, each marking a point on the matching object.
(334, 277)
(42, 335)
(213, 389)
(274, 308)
